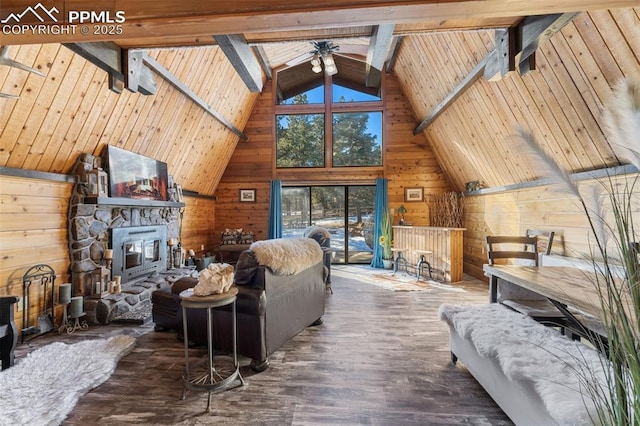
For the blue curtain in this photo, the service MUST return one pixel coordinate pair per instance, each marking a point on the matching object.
(275, 210)
(380, 208)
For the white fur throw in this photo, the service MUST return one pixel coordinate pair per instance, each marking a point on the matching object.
(527, 351)
(287, 256)
(43, 387)
(216, 279)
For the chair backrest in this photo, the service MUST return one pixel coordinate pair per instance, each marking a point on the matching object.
(545, 239)
(512, 247)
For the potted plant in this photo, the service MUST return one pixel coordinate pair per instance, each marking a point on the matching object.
(401, 211)
(385, 240)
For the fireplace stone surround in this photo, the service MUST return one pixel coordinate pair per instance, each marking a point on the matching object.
(90, 221)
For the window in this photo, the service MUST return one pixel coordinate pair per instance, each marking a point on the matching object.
(356, 139)
(344, 94)
(312, 133)
(345, 211)
(300, 140)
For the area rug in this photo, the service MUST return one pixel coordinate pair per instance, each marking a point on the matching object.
(401, 281)
(43, 387)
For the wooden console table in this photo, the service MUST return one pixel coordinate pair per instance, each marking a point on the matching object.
(445, 243)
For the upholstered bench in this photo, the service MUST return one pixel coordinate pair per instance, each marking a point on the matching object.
(532, 372)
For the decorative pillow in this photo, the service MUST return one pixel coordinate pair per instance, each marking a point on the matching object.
(246, 268)
(245, 238)
(231, 236)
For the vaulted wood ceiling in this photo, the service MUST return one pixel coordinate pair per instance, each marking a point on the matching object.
(72, 111)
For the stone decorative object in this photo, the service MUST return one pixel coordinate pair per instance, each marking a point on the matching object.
(216, 279)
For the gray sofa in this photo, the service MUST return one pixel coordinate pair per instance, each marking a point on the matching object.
(271, 307)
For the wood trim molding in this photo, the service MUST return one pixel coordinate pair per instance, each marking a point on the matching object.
(34, 174)
(581, 176)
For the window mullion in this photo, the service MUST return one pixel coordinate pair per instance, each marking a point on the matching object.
(328, 123)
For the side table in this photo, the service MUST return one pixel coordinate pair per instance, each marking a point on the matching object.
(205, 375)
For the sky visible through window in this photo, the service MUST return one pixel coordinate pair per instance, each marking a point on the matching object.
(374, 126)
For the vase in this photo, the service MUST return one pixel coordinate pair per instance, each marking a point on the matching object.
(388, 263)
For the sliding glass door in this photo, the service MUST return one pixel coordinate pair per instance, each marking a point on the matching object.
(345, 211)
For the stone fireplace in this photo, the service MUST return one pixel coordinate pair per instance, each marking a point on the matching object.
(92, 223)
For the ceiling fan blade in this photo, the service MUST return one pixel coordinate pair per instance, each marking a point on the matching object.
(299, 59)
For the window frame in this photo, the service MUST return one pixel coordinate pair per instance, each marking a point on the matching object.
(327, 108)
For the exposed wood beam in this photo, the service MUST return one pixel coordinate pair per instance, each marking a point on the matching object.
(241, 57)
(175, 82)
(108, 56)
(535, 30)
(393, 53)
(523, 41)
(467, 82)
(194, 18)
(137, 76)
(504, 60)
(379, 43)
(263, 61)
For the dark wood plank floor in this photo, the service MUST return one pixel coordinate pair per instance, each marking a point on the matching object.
(380, 358)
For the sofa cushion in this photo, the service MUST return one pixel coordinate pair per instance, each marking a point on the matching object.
(246, 269)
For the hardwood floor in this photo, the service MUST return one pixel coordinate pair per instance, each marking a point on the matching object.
(380, 358)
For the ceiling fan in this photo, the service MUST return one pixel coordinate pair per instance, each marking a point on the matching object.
(322, 53)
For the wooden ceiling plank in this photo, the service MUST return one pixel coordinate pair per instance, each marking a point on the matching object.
(379, 43)
(56, 122)
(242, 58)
(498, 63)
(81, 115)
(28, 114)
(164, 73)
(587, 141)
(99, 110)
(458, 90)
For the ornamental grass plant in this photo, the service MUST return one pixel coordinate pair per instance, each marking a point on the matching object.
(386, 233)
(612, 208)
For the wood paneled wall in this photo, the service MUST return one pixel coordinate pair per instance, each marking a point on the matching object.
(544, 208)
(198, 222)
(33, 230)
(408, 162)
(71, 111)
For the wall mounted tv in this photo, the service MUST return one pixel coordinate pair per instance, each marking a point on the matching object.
(133, 175)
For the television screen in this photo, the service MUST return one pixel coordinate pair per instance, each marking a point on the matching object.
(135, 176)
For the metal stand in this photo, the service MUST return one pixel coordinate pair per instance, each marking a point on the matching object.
(45, 275)
(204, 375)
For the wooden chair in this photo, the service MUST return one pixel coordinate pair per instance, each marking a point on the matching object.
(521, 250)
(545, 240)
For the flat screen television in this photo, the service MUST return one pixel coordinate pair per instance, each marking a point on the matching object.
(133, 175)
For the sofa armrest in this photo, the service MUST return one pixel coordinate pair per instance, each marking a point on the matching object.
(183, 284)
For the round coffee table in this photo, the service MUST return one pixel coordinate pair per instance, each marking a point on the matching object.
(214, 373)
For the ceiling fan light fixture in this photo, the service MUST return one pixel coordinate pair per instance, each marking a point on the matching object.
(331, 69)
(315, 61)
(316, 68)
(328, 59)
